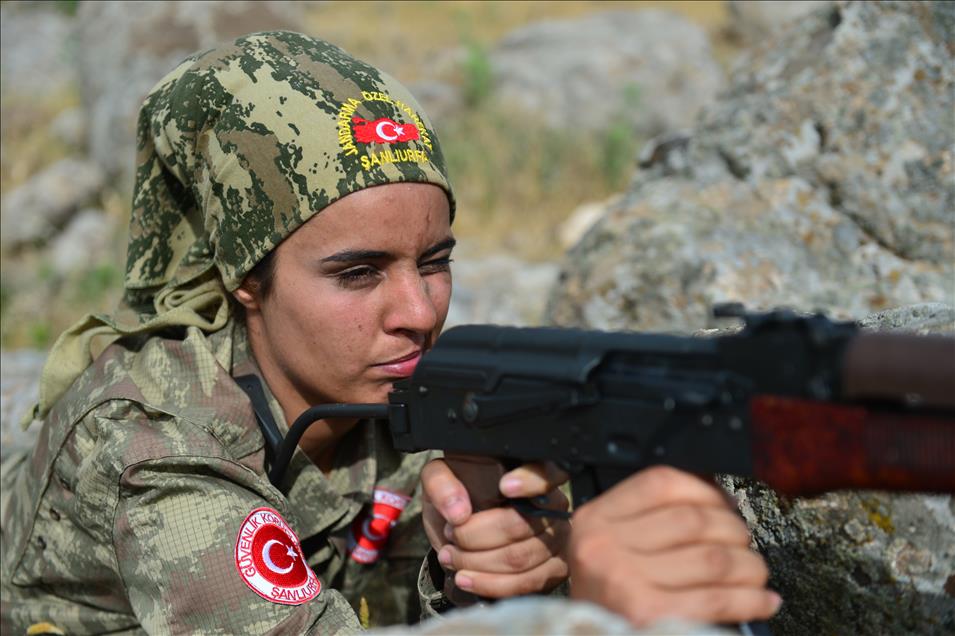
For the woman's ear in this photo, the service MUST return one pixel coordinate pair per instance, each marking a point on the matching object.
(247, 296)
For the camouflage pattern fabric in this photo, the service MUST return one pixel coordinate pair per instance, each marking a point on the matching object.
(124, 518)
(237, 147)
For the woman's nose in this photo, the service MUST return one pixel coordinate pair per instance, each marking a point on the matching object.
(410, 305)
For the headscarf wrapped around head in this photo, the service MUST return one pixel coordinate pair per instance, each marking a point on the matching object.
(237, 148)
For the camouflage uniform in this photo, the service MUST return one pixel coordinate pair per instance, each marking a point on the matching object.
(126, 516)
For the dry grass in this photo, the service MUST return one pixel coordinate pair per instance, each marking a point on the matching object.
(405, 38)
(28, 145)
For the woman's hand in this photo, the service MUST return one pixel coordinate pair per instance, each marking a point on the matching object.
(666, 543)
(493, 550)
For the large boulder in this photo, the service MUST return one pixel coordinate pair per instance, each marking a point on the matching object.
(124, 48)
(36, 210)
(19, 390)
(750, 21)
(86, 241)
(860, 562)
(650, 69)
(858, 100)
(499, 288)
(36, 50)
(823, 177)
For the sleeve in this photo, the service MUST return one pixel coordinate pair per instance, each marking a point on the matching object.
(431, 588)
(176, 529)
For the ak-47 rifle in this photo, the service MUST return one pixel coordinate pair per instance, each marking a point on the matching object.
(802, 403)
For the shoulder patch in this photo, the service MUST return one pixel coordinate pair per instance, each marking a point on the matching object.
(269, 559)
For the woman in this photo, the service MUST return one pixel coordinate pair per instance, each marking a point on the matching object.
(291, 222)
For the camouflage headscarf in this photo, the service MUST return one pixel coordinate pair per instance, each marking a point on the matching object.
(238, 147)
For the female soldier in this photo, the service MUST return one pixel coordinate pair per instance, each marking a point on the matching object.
(291, 222)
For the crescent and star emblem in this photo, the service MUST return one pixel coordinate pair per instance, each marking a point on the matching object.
(380, 130)
(267, 556)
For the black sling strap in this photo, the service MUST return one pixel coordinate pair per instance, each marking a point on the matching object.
(273, 438)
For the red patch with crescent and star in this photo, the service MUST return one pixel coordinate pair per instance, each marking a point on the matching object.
(383, 131)
(269, 559)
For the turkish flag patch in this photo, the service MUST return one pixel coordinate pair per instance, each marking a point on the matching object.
(269, 559)
(383, 131)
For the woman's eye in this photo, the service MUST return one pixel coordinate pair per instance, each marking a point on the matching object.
(356, 276)
(436, 265)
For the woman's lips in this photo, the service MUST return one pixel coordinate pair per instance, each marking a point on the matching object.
(401, 367)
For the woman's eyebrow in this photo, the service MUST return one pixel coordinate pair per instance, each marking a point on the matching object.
(446, 244)
(354, 256)
(350, 256)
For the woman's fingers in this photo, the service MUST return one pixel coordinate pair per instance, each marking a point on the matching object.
(682, 524)
(702, 565)
(532, 480)
(497, 527)
(718, 604)
(494, 528)
(444, 491)
(542, 578)
(510, 557)
(648, 489)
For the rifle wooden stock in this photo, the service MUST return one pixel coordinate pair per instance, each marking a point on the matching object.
(801, 447)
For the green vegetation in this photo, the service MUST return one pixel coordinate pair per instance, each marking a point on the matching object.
(96, 283)
(40, 335)
(478, 79)
(69, 7)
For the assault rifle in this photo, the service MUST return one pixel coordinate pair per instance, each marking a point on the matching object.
(802, 403)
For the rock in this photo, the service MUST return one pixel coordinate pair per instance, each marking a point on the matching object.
(798, 186)
(651, 69)
(84, 242)
(581, 220)
(821, 178)
(35, 210)
(542, 615)
(922, 318)
(440, 99)
(858, 100)
(751, 21)
(70, 127)
(19, 390)
(660, 260)
(125, 48)
(855, 562)
(860, 562)
(36, 51)
(499, 289)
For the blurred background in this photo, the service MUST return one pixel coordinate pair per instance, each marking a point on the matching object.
(618, 165)
(541, 106)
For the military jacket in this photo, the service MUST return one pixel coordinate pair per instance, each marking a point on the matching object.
(126, 518)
